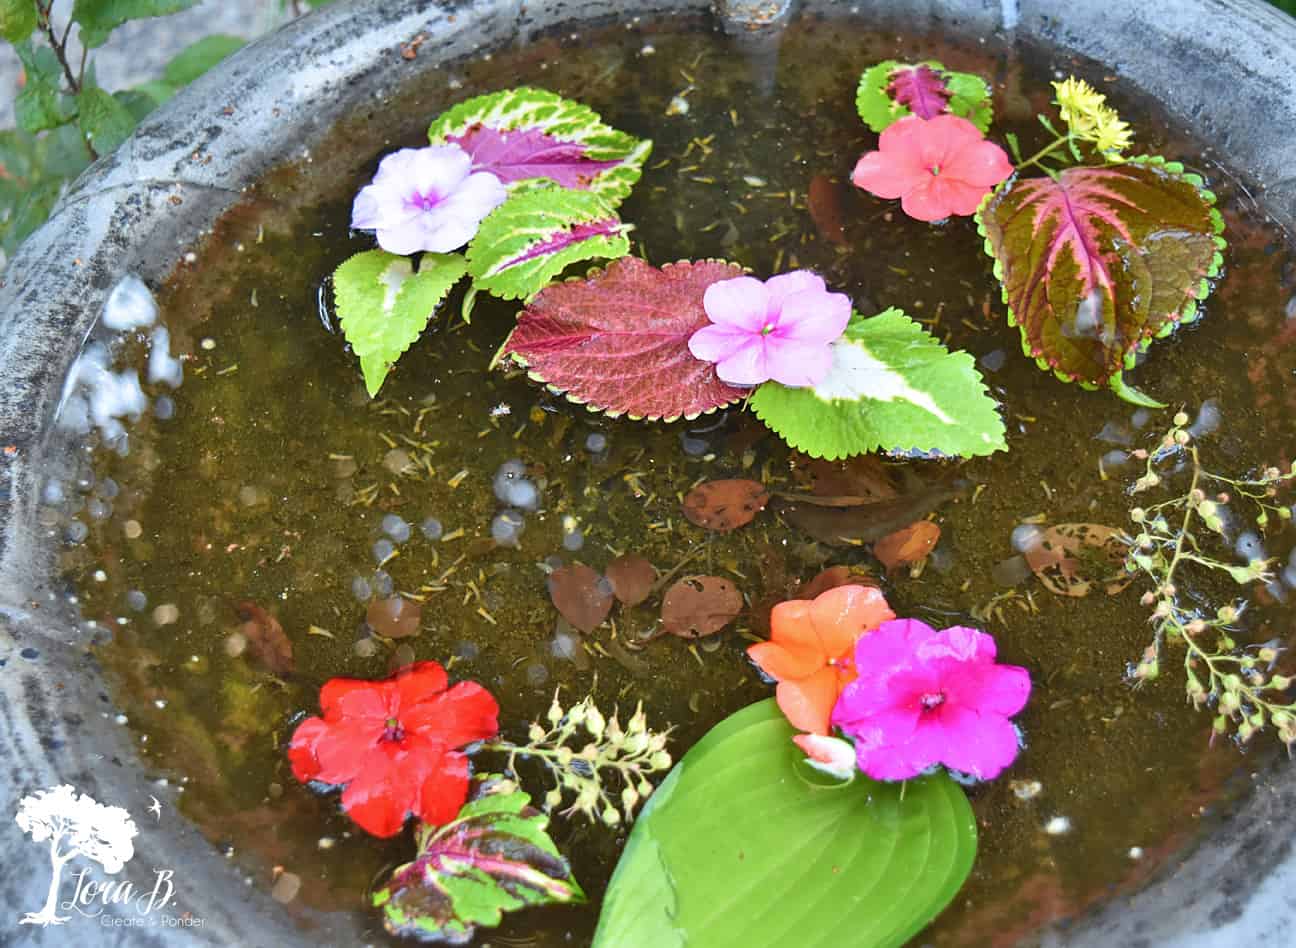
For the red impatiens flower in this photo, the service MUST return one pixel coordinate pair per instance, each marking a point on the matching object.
(392, 745)
(937, 167)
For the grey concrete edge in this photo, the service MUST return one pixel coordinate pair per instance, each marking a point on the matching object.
(1226, 67)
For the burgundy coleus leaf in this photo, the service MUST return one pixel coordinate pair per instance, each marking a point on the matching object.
(1098, 261)
(921, 89)
(617, 341)
(495, 856)
(528, 153)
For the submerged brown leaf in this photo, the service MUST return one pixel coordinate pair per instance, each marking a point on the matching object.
(865, 476)
(632, 578)
(394, 618)
(266, 638)
(835, 576)
(865, 523)
(907, 545)
(700, 605)
(582, 596)
(1071, 558)
(725, 505)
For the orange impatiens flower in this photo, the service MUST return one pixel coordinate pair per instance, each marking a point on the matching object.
(811, 650)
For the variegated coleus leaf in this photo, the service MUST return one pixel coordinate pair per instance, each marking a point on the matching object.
(1097, 262)
(495, 857)
(526, 133)
(383, 304)
(892, 90)
(892, 387)
(534, 235)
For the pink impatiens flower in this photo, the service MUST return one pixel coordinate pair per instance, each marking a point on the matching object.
(937, 167)
(426, 199)
(925, 697)
(780, 329)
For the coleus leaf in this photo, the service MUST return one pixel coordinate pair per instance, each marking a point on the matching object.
(1097, 262)
(893, 387)
(534, 235)
(892, 90)
(495, 857)
(527, 133)
(617, 341)
(384, 305)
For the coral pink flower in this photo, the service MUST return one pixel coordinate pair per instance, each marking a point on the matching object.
(392, 745)
(925, 697)
(780, 329)
(937, 167)
(810, 650)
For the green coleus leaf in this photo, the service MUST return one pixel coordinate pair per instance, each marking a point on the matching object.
(98, 18)
(41, 104)
(17, 19)
(892, 90)
(196, 58)
(534, 235)
(741, 846)
(526, 133)
(384, 305)
(105, 121)
(1099, 261)
(892, 387)
(495, 857)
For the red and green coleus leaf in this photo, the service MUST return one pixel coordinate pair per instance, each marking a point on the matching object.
(526, 133)
(383, 304)
(495, 857)
(892, 90)
(617, 341)
(1097, 262)
(534, 235)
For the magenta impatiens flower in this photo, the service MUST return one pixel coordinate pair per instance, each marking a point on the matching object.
(426, 199)
(925, 697)
(780, 329)
(937, 167)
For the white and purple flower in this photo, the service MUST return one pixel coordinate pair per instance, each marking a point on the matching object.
(426, 199)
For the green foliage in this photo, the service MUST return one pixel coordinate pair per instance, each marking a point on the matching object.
(738, 848)
(98, 18)
(198, 57)
(41, 104)
(104, 120)
(17, 19)
(892, 387)
(968, 95)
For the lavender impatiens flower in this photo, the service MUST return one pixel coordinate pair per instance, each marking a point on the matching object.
(924, 698)
(780, 329)
(426, 199)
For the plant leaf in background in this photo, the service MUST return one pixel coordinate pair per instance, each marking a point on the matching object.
(495, 857)
(1097, 262)
(525, 133)
(41, 104)
(104, 120)
(196, 58)
(384, 305)
(737, 849)
(892, 387)
(892, 90)
(17, 19)
(98, 18)
(534, 235)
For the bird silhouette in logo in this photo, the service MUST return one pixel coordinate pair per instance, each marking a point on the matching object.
(155, 807)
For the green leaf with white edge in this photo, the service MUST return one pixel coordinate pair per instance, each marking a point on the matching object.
(892, 387)
(17, 19)
(496, 856)
(98, 18)
(536, 234)
(104, 120)
(384, 305)
(737, 850)
(196, 58)
(892, 90)
(41, 104)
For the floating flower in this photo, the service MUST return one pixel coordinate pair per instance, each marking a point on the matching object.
(392, 745)
(426, 199)
(810, 650)
(937, 167)
(780, 329)
(926, 697)
(1090, 119)
(831, 755)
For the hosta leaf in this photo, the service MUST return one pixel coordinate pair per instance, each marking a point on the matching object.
(736, 849)
(891, 90)
(1098, 262)
(495, 857)
(384, 305)
(892, 387)
(528, 133)
(98, 18)
(534, 235)
(617, 341)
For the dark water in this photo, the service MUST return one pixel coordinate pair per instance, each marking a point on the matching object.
(270, 484)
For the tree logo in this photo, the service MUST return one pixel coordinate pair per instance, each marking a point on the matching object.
(75, 824)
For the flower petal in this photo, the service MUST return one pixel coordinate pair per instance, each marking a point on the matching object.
(785, 661)
(832, 755)
(742, 302)
(888, 175)
(813, 317)
(418, 682)
(944, 137)
(716, 342)
(902, 761)
(983, 164)
(301, 749)
(840, 616)
(928, 201)
(380, 798)
(790, 624)
(465, 713)
(797, 364)
(891, 645)
(783, 285)
(990, 689)
(436, 171)
(444, 790)
(980, 745)
(356, 698)
(748, 365)
(808, 702)
(343, 751)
